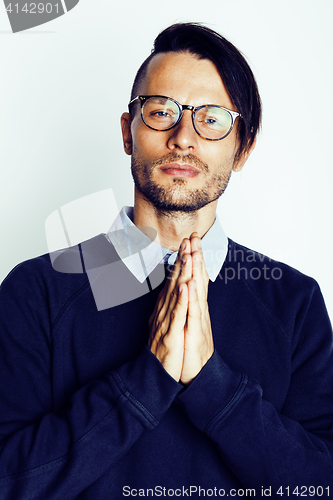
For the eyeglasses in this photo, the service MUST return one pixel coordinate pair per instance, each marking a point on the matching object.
(162, 113)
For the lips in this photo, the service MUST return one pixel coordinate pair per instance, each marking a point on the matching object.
(180, 170)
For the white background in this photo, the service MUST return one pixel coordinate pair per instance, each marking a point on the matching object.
(64, 85)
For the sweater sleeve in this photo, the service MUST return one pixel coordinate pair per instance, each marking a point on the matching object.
(292, 448)
(48, 455)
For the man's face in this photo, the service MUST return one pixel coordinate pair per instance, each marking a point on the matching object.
(177, 170)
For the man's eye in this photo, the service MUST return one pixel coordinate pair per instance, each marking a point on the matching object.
(162, 114)
(165, 115)
(211, 121)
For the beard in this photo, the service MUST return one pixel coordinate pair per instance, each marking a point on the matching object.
(177, 198)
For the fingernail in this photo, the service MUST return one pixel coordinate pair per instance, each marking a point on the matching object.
(183, 246)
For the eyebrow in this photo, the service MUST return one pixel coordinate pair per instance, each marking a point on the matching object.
(161, 100)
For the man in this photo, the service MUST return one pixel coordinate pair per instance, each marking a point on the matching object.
(218, 381)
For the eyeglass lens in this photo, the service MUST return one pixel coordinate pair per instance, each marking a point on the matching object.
(211, 122)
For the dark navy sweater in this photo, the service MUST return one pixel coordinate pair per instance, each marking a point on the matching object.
(88, 412)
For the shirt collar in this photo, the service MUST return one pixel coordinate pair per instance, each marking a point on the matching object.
(141, 255)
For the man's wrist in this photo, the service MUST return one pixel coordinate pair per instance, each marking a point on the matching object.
(145, 380)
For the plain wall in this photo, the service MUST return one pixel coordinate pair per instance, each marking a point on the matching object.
(64, 85)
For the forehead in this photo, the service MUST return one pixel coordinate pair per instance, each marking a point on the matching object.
(186, 78)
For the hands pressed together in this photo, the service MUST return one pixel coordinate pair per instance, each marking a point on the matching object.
(180, 330)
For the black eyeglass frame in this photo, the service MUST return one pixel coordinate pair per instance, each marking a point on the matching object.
(182, 107)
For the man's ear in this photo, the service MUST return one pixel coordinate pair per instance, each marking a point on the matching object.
(126, 121)
(240, 162)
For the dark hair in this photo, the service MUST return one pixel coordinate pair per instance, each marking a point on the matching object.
(235, 72)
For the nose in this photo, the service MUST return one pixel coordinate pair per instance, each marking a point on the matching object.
(183, 136)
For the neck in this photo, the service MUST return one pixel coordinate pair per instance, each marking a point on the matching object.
(172, 227)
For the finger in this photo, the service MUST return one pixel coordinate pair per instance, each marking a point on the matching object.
(185, 249)
(193, 300)
(174, 272)
(199, 344)
(174, 322)
(197, 266)
(185, 246)
(193, 311)
(169, 347)
(195, 242)
(179, 313)
(186, 268)
(199, 276)
(198, 325)
(170, 289)
(181, 273)
(196, 247)
(185, 271)
(184, 276)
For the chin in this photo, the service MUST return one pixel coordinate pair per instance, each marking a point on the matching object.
(174, 199)
(178, 196)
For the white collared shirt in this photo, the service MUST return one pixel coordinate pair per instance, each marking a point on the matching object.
(141, 255)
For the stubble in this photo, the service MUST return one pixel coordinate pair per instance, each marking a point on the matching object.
(179, 198)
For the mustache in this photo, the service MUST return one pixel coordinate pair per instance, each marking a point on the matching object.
(189, 159)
